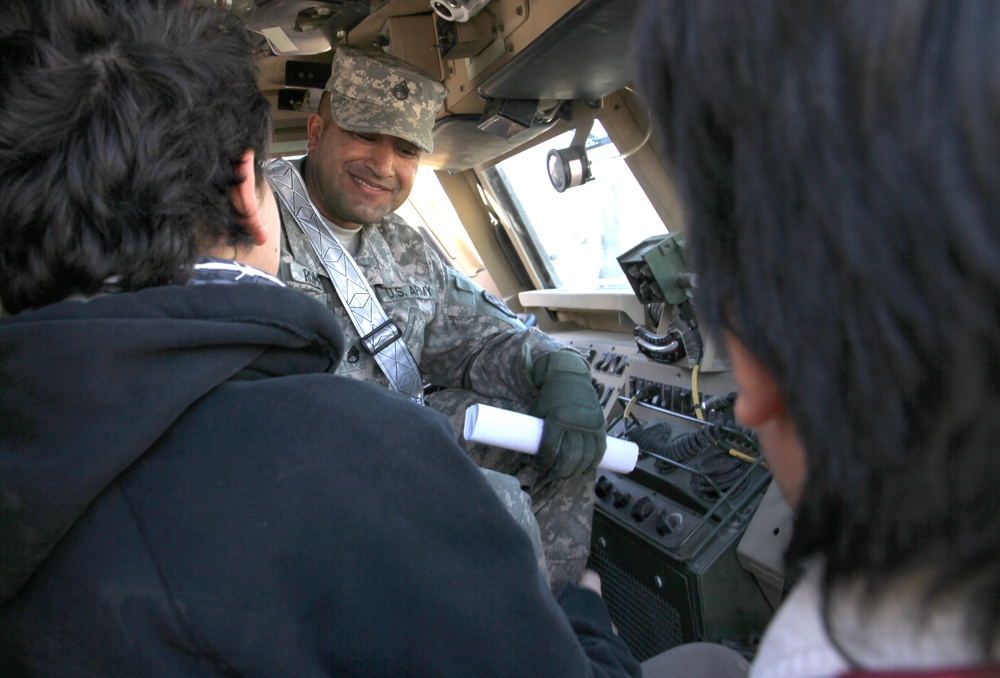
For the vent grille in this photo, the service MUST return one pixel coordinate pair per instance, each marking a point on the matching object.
(646, 622)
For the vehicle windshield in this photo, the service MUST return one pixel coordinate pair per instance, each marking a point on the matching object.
(577, 234)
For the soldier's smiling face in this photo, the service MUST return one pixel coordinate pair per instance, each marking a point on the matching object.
(357, 178)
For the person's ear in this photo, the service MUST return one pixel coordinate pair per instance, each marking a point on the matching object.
(761, 405)
(760, 399)
(245, 199)
(314, 129)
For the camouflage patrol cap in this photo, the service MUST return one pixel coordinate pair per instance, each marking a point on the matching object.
(375, 93)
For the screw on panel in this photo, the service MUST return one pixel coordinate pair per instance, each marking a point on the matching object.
(602, 542)
(658, 581)
(519, 10)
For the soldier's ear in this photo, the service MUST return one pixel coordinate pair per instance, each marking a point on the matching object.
(314, 129)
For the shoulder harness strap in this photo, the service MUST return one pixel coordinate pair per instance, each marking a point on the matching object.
(380, 334)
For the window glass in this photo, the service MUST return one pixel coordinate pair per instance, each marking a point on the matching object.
(429, 206)
(578, 233)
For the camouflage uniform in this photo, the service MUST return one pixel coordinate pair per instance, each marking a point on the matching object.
(518, 504)
(464, 340)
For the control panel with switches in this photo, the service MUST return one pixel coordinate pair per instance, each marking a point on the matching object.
(665, 535)
(620, 370)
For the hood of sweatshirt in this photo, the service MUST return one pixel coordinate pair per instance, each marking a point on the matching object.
(86, 387)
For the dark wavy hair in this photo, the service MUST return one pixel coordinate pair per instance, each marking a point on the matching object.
(121, 124)
(840, 164)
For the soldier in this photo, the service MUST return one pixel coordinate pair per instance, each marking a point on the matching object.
(375, 120)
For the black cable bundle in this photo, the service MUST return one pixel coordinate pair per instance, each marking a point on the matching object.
(689, 445)
(652, 437)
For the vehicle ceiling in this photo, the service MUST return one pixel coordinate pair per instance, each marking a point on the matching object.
(512, 70)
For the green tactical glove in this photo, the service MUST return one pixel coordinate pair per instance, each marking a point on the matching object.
(573, 439)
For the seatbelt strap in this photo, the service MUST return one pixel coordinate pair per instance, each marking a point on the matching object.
(381, 336)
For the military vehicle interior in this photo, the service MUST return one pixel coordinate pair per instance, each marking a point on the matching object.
(545, 186)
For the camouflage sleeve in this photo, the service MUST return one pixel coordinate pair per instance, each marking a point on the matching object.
(476, 342)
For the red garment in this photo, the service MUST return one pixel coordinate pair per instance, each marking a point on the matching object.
(976, 672)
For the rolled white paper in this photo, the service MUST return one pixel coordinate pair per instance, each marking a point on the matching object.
(523, 433)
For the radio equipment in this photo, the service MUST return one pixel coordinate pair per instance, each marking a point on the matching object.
(665, 536)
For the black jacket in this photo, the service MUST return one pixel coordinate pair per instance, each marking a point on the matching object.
(186, 490)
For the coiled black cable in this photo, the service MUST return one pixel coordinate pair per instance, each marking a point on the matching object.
(715, 435)
(689, 445)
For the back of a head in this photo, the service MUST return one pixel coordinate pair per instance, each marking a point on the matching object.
(120, 127)
(839, 161)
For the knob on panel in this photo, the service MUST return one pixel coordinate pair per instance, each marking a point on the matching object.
(642, 509)
(666, 522)
(602, 487)
(620, 499)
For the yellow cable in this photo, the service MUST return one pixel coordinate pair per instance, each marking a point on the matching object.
(746, 457)
(628, 408)
(695, 399)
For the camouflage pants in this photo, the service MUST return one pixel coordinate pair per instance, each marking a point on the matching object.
(518, 504)
(564, 508)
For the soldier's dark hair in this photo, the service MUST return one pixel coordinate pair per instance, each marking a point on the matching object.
(839, 162)
(121, 124)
